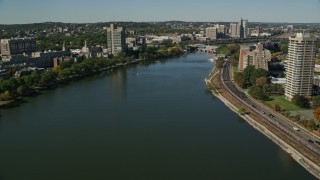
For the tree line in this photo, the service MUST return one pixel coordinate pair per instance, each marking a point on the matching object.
(15, 87)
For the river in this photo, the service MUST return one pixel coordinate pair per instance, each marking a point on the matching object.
(147, 121)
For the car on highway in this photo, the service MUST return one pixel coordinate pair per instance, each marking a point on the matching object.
(296, 129)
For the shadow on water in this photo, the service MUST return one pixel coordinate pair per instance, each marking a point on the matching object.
(15, 104)
(241, 120)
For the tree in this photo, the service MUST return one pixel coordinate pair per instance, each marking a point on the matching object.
(273, 89)
(316, 102)
(48, 79)
(284, 47)
(316, 113)
(6, 96)
(261, 81)
(65, 73)
(301, 101)
(257, 93)
(228, 50)
(167, 42)
(239, 79)
(27, 82)
(277, 107)
(241, 110)
(257, 73)
(311, 125)
(247, 72)
(11, 85)
(219, 63)
(35, 78)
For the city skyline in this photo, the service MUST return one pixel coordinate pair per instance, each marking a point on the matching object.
(80, 11)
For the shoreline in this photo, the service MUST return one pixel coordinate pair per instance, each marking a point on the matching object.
(37, 90)
(306, 163)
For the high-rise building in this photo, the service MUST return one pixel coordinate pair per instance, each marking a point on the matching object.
(239, 30)
(300, 66)
(258, 57)
(245, 28)
(211, 32)
(17, 46)
(116, 40)
(222, 31)
(244, 50)
(234, 30)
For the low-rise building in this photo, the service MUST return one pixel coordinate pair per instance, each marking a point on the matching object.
(317, 68)
(17, 46)
(36, 59)
(258, 58)
(281, 81)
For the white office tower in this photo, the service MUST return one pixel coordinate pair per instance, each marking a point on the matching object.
(300, 66)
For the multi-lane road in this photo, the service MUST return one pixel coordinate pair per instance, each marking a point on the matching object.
(305, 139)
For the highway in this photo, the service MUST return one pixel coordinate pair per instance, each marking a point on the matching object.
(304, 138)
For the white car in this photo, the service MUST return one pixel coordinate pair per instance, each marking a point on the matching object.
(296, 129)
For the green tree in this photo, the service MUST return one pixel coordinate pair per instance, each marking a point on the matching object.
(273, 89)
(48, 79)
(247, 72)
(6, 96)
(277, 107)
(228, 50)
(239, 79)
(301, 101)
(27, 82)
(21, 90)
(242, 110)
(35, 78)
(257, 73)
(316, 102)
(284, 46)
(66, 64)
(257, 93)
(167, 42)
(65, 73)
(8, 85)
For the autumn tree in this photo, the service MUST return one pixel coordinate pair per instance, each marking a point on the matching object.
(219, 63)
(261, 81)
(316, 113)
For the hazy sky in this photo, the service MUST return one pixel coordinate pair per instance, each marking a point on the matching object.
(31, 11)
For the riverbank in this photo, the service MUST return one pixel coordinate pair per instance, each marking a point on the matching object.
(299, 154)
(18, 100)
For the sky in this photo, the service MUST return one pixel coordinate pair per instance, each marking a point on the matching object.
(91, 11)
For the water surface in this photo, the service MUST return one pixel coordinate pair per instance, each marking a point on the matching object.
(147, 121)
